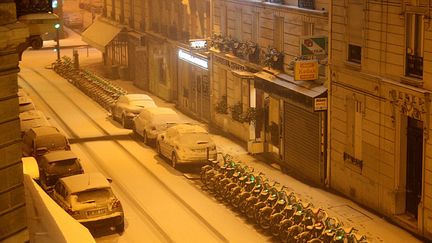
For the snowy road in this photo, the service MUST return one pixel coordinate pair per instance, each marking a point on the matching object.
(161, 205)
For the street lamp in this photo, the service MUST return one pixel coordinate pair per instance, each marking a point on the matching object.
(57, 27)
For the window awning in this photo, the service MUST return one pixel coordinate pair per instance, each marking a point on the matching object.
(300, 93)
(100, 34)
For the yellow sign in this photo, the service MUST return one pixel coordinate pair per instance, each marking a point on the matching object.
(306, 70)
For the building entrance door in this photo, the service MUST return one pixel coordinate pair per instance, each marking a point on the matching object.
(414, 165)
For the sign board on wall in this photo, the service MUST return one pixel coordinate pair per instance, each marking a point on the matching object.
(313, 46)
(306, 70)
(198, 44)
(320, 104)
(186, 56)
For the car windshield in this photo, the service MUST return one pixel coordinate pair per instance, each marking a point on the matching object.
(192, 138)
(64, 163)
(167, 118)
(96, 195)
(51, 141)
(142, 103)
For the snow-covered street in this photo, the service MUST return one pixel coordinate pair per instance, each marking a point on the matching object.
(162, 204)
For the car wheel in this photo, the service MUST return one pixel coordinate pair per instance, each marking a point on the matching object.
(174, 160)
(120, 228)
(158, 149)
(36, 43)
(124, 122)
(145, 138)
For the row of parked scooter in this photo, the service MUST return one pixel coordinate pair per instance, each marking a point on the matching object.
(272, 206)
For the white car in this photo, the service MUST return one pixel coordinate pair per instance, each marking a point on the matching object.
(186, 143)
(152, 121)
(130, 105)
(89, 199)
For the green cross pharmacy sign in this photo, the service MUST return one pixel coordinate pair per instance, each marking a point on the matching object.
(313, 46)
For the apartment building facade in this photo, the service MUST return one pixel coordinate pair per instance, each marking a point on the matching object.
(261, 92)
(381, 83)
(149, 44)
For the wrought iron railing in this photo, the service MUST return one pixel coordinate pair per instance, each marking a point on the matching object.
(24, 7)
(414, 65)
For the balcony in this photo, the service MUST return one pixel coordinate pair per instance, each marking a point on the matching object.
(414, 66)
(24, 7)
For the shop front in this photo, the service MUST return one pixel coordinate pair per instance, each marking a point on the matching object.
(294, 124)
(193, 92)
(234, 100)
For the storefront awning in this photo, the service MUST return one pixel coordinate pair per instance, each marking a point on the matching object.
(100, 34)
(288, 90)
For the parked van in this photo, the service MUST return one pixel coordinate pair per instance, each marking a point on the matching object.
(39, 140)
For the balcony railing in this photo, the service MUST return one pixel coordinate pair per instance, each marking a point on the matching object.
(24, 7)
(414, 66)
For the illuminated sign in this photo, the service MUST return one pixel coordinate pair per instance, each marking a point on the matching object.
(192, 59)
(198, 44)
(306, 70)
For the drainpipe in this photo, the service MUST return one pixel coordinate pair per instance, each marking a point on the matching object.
(329, 88)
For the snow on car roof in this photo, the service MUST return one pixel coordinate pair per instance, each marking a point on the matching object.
(161, 110)
(45, 130)
(31, 114)
(138, 97)
(57, 155)
(189, 128)
(85, 182)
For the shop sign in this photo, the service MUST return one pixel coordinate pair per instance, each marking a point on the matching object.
(306, 70)
(313, 46)
(320, 104)
(198, 44)
(231, 65)
(192, 59)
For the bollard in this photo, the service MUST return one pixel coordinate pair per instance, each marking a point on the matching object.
(76, 59)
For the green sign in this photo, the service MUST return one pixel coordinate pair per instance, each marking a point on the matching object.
(313, 46)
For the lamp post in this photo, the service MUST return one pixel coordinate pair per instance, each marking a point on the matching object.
(57, 27)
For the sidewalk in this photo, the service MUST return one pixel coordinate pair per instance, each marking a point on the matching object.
(373, 226)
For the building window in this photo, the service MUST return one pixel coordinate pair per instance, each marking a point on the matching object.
(355, 30)
(239, 24)
(308, 28)
(354, 130)
(309, 4)
(223, 20)
(255, 27)
(414, 45)
(278, 33)
(354, 53)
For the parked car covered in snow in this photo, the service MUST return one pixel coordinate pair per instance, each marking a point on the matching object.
(56, 164)
(32, 118)
(152, 121)
(130, 105)
(40, 140)
(89, 199)
(25, 103)
(186, 143)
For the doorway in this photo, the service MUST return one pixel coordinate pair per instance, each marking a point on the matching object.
(414, 165)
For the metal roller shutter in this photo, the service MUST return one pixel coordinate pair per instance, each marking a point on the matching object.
(302, 142)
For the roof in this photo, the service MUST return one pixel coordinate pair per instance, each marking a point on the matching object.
(100, 34)
(31, 114)
(161, 110)
(188, 128)
(84, 182)
(57, 155)
(138, 97)
(44, 130)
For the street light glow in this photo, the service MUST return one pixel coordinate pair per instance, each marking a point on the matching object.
(57, 26)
